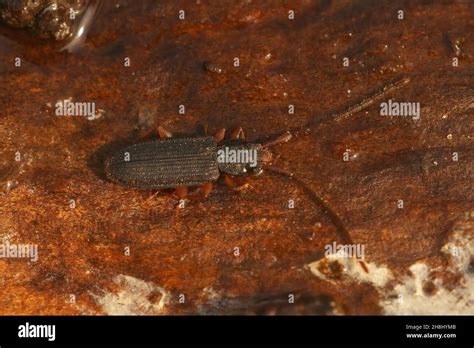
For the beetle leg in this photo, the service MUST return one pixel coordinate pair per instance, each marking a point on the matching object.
(163, 133)
(229, 181)
(147, 134)
(219, 136)
(160, 131)
(364, 266)
(282, 138)
(182, 192)
(244, 186)
(237, 133)
(151, 198)
(206, 189)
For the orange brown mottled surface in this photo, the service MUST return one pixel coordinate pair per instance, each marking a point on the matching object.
(118, 250)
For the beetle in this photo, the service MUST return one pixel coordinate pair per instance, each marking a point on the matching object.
(183, 162)
(199, 161)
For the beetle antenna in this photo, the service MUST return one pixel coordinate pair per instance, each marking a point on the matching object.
(341, 231)
(367, 101)
(341, 115)
(282, 138)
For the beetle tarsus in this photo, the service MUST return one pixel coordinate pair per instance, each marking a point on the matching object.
(163, 133)
(206, 189)
(219, 135)
(182, 192)
(237, 133)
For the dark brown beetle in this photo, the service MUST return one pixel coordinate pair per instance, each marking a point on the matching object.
(184, 162)
(180, 163)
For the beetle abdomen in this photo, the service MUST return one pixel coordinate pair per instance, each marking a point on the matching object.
(165, 163)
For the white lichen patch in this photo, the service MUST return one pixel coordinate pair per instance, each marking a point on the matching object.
(211, 294)
(352, 270)
(135, 297)
(411, 295)
(410, 298)
(460, 248)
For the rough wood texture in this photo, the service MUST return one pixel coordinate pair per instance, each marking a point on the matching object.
(190, 251)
